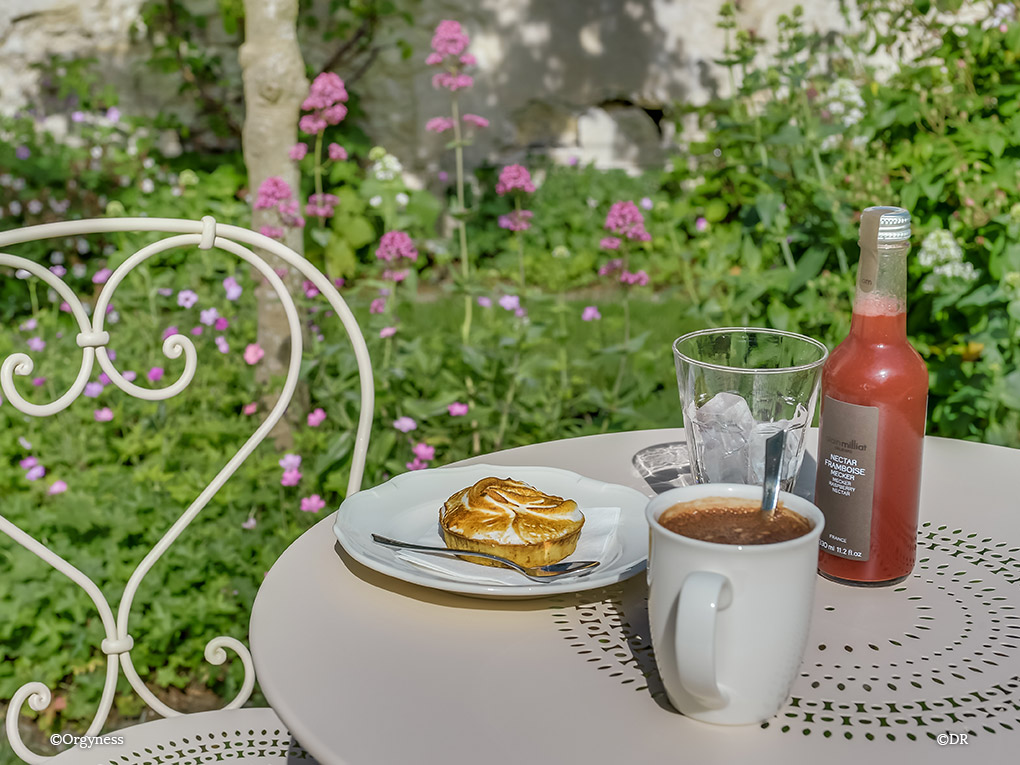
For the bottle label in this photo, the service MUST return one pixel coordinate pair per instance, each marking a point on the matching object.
(845, 485)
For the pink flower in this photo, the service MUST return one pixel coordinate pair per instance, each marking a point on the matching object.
(196, 331)
(298, 151)
(208, 316)
(29, 325)
(377, 306)
(316, 417)
(325, 102)
(35, 473)
(468, 60)
(337, 152)
(169, 331)
(640, 278)
(457, 409)
(93, 389)
(646, 203)
(253, 353)
(517, 220)
(613, 265)
(65, 307)
(36, 343)
(701, 224)
(321, 205)
(626, 220)
(312, 124)
(58, 487)
(290, 461)
(416, 464)
(233, 289)
(395, 276)
(103, 415)
(38, 381)
(101, 276)
(220, 324)
(514, 177)
(28, 462)
(312, 504)
(434, 59)
(396, 244)
(272, 191)
(387, 332)
(405, 424)
(610, 243)
(186, 298)
(290, 478)
(510, 302)
(310, 289)
(449, 39)
(590, 313)
(474, 119)
(423, 451)
(164, 291)
(439, 124)
(485, 302)
(452, 82)
(155, 374)
(222, 345)
(129, 376)
(249, 408)
(249, 524)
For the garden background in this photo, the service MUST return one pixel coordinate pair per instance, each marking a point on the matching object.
(512, 289)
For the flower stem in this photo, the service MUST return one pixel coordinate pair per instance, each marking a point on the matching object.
(520, 242)
(465, 266)
(504, 417)
(318, 173)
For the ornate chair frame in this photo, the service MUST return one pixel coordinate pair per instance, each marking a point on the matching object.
(93, 339)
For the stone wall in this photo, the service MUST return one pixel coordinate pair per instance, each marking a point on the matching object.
(584, 79)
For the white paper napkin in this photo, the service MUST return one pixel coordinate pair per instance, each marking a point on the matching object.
(597, 542)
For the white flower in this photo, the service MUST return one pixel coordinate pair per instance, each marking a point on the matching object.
(79, 270)
(21, 273)
(403, 199)
(939, 247)
(148, 186)
(963, 270)
(96, 152)
(375, 201)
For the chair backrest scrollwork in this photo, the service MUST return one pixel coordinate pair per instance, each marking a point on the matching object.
(93, 339)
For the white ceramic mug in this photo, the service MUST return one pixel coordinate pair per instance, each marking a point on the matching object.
(729, 622)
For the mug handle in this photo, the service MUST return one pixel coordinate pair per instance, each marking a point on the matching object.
(702, 595)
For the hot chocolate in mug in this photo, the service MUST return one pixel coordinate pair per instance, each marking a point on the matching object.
(729, 622)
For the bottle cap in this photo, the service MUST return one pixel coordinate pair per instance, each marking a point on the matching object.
(893, 223)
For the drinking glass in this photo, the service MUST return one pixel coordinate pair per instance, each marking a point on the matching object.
(738, 386)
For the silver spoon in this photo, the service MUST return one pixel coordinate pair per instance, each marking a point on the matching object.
(773, 465)
(537, 573)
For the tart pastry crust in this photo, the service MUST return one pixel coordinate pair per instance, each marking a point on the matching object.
(512, 519)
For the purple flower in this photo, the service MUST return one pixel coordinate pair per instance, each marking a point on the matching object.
(165, 291)
(700, 224)
(103, 415)
(186, 298)
(222, 345)
(290, 461)
(316, 417)
(646, 203)
(233, 289)
(416, 464)
(104, 378)
(613, 265)
(58, 270)
(155, 374)
(290, 478)
(129, 376)
(28, 325)
(517, 220)
(170, 331)
(309, 288)
(457, 409)
(485, 302)
(423, 451)
(93, 389)
(590, 313)
(405, 424)
(510, 302)
(394, 245)
(101, 276)
(28, 462)
(36, 343)
(35, 473)
(38, 381)
(640, 278)
(208, 316)
(377, 306)
(312, 504)
(249, 524)
(23, 152)
(58, 487)
(221, 324)
(197, 331)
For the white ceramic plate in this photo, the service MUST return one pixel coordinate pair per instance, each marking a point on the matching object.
(407, 507)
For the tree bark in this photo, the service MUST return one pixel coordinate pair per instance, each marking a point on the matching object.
(274, 87)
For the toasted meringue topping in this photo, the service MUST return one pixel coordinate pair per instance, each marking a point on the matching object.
(509, 512)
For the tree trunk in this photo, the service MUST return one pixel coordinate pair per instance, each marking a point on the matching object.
(274, 87)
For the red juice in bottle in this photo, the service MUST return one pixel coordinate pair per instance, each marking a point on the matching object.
(871, 431)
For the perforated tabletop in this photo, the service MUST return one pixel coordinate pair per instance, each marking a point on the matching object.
(364, 668)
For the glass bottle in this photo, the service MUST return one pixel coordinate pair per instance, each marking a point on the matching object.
(871, 429)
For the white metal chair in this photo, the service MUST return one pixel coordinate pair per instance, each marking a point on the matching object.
(232, 732)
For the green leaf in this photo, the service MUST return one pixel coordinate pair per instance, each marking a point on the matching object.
(808, 267)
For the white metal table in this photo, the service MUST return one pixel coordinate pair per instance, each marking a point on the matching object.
(368, 669)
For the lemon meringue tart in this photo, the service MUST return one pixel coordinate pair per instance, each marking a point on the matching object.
(512, 519)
